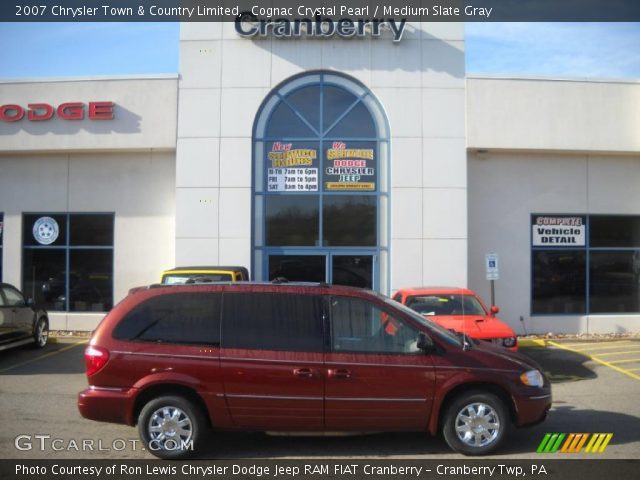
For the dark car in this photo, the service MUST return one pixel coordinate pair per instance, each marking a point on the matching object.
(21, 322)
(182, 359)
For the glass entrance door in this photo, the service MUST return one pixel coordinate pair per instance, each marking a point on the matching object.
(335, 268)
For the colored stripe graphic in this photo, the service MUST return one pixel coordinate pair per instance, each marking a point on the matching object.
(598, 442)
(550, 443)
(574, 442)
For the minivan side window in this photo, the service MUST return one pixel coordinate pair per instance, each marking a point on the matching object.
(360, 326)
(272, 321)
(182, 318)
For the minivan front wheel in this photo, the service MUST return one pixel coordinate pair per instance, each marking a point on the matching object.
(171, 427)
(476, 423)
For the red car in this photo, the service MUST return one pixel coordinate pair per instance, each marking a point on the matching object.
(183, 359)
(459, 309)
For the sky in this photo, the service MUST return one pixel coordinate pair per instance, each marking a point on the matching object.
(593, 50)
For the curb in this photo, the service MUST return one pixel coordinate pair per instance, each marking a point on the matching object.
(531, 342)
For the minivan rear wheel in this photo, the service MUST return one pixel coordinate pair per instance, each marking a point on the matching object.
(476, 423)
(171, 427)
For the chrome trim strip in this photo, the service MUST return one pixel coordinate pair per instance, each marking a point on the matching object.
(272, 397)
(442, 367)
(345, 399)
(272, 360)
(152, 354)
(378, 365)
(540, 397)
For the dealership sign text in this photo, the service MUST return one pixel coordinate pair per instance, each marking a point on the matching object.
(38, 112)
(249, 24)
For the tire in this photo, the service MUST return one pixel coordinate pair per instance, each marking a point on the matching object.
(41, 333)
(158, 422)
(476, 423)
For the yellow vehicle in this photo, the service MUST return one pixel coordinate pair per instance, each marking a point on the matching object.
(204, 274)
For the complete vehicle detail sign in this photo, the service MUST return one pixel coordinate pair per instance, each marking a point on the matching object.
(558, 230)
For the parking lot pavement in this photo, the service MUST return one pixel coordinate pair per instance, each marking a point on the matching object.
(39, 391)
(620, 355)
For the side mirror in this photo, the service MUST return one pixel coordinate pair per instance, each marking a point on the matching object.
(494, 310)
(424, 342)
(30, 302)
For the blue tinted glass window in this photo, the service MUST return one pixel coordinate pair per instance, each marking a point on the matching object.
(335, 102)
(306, 101)
(284, 123)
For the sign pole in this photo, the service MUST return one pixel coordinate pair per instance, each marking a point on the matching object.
(491, 266)
(493, 292)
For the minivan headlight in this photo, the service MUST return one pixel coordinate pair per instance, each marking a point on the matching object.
(509, 342)
(532, 378)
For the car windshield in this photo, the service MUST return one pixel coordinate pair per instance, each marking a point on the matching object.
(176, 278)
(441, 304)
(446, 335)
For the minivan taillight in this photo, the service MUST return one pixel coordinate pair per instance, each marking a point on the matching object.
(95, 358)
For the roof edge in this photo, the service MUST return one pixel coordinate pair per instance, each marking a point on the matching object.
(553, 79)
(91, 78)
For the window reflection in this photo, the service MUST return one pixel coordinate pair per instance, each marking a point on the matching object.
(292, 220)
(559, 281)
(349, 220)
(614, 282)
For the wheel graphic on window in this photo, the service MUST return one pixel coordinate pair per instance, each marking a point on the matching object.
(46, 230)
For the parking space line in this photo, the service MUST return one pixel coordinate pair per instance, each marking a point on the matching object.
(606, 354)
(586, 344)
(626, 360)
(624, 371)
(63, 349)
(609, 347)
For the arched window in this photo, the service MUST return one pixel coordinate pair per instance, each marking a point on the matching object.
(320, 183)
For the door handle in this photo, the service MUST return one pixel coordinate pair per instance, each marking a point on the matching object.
(339, 373)
(303, 372)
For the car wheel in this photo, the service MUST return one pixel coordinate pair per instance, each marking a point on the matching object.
(476, 423)
(171, 427)
(41, 333)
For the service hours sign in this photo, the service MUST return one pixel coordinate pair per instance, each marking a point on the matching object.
(292, 169)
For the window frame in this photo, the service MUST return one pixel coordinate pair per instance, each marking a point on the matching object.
(330, 330)
(260, 193)
(67, 248)
(136, 339)
(316, 298)
(588, 250)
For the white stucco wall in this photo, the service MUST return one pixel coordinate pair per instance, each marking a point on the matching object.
(506, 188)
(138, 187)
(420, 83)
(144, 115)
(545, 114)
(124, 166)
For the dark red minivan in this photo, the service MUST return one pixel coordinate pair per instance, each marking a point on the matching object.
(180, 360)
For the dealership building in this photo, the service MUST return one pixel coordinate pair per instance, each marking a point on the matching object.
(365, 158)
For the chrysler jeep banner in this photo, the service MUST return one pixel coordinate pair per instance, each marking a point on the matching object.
(350, 167)
(558, 230)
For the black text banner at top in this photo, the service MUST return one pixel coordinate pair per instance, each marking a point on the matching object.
(311, 13)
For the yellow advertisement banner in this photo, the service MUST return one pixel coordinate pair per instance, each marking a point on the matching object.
(350, 186)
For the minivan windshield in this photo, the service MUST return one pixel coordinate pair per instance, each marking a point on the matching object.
(441, 332)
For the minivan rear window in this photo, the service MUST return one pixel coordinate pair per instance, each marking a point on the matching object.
(184, 318)
(272, 321)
